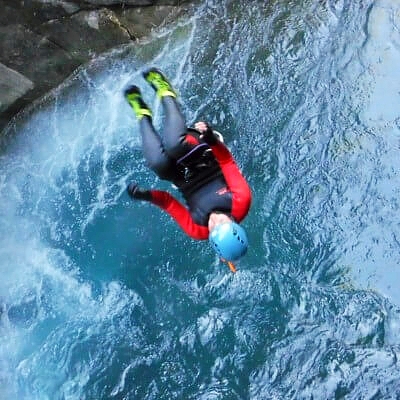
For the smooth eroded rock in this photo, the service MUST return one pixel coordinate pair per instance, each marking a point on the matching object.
(12, 86)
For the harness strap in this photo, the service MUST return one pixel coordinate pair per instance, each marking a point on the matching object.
(180, 160)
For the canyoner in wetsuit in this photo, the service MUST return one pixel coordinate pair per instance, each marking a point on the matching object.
(198, 163)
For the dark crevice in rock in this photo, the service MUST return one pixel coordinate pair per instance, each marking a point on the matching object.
(125, 28)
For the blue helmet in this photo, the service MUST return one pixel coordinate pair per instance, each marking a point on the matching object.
(229, 240)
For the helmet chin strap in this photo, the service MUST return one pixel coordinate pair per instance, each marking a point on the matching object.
(230, 264)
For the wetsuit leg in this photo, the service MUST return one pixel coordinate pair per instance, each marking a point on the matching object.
(174, 132)
(156, 157)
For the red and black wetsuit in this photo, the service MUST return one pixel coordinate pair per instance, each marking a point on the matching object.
(228, 193)
(207, 176)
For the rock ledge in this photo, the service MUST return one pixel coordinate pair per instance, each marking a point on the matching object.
(43, 41)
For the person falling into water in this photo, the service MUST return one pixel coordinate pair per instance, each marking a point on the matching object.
(202, 168)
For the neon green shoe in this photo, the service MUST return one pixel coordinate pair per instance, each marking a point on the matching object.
(134, 98)
(159, 83)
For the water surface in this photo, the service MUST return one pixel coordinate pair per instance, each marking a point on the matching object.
(102, 298)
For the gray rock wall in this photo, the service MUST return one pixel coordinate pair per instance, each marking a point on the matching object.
(43, 41)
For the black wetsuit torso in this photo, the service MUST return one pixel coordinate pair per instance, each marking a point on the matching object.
(201, 182)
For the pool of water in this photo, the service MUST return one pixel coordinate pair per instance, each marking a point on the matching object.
(103, 298)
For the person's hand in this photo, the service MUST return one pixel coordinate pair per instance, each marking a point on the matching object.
(137, 194)
(206, 132)
(201, 126)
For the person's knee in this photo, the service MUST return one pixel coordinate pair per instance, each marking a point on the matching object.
(161, 167)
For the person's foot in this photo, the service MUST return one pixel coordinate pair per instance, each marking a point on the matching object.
(134, 98)
(159, 82)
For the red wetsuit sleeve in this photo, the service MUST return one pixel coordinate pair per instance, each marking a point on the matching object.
(237, 184)
(179, 213)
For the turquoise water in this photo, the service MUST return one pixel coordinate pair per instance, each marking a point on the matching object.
(102, 298)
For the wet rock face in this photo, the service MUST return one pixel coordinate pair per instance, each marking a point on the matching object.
(44, 41)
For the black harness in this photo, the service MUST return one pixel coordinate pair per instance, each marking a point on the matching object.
(200, 183)
(198, 167)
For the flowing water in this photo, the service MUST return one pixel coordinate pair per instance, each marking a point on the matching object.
(103, 298)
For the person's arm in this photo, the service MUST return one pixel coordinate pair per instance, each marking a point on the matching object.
(173, 207)
(179, 213)
(237, 184)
